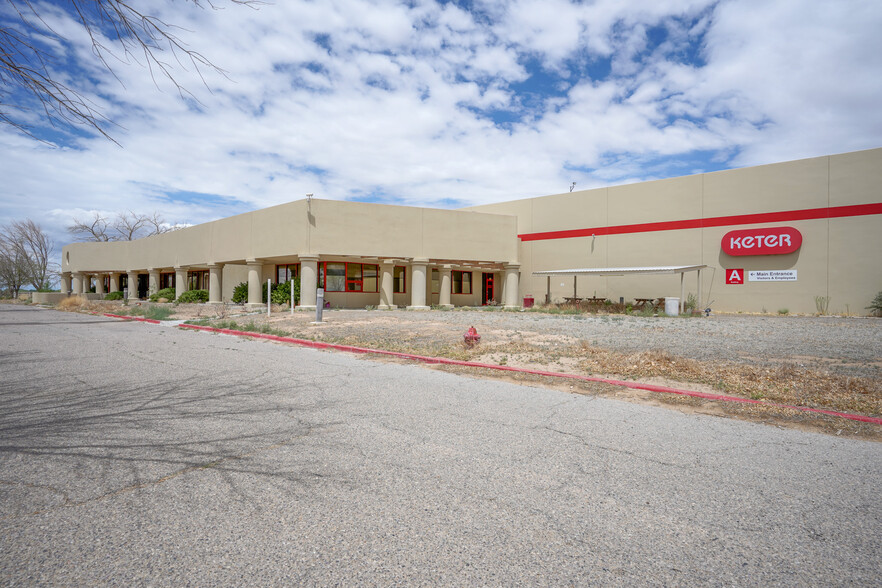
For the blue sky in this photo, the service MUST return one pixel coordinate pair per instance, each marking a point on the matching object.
(445, 103)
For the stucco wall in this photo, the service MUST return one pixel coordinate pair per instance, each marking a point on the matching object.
(838, 257)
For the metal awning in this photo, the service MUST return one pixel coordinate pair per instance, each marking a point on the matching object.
(622, 271)
(626, 271)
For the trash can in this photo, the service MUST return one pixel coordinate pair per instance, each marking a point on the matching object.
(528, 301)
(672, 306)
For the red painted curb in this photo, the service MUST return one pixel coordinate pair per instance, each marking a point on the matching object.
(444, 360)
(133, 318)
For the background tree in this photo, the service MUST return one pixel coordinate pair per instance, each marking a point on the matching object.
(25, 252)
(12, 270)
(123, 226)
(116, 29)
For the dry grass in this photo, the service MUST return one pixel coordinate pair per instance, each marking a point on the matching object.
(786, 384)
(789, 384)
(78, 304)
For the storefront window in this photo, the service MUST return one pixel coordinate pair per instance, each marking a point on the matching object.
(399, 280)
(369, 279)
(335, 276)
(462, 282)
(285, 273)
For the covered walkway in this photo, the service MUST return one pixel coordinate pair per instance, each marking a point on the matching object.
(625, 271)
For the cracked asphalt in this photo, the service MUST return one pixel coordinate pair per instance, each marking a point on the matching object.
(134, 454)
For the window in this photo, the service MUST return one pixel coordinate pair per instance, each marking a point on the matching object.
(462, 282)
(197, 280)
(399, 279)
(337, 276)
(369, 281)
(285, 273)
(436, 281)
(166, 280)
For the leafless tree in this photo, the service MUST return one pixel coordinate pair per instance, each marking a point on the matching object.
(12, 270)
(29, 249)
(124, 226)
(93, 229)
(28, 61)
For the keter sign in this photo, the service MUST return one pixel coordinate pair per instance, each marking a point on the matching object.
(774, 241)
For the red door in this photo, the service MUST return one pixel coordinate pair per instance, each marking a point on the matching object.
(486, 288)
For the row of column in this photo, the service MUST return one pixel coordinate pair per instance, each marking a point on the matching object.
(80, 283)
(419, 283)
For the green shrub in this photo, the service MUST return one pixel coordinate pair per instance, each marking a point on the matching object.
(194, 296)
(158, 313)
(876, 305)
(691, 302)
(167, 293)
(113, 296)
(783, 311)
(282, 292)
(240, 293)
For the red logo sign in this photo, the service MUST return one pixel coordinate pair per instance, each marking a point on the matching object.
(773, 241)
(735, 276)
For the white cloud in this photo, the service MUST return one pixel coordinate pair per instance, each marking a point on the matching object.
(353, 98)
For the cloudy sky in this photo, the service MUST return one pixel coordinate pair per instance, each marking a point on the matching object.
(443, 103)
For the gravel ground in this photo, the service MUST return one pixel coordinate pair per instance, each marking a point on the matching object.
(849, 346)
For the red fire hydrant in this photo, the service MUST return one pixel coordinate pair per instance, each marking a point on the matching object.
(471, 337)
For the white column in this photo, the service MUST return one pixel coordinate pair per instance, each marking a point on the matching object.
(386, 284)
(180, 281)
(65, 282)
(77, 285)
(99, 284)
(114, 282)
(215, 283)
(418, 290)
(153, 283)
(254, 286)
(682, 292)
(132, 279)
(510, 288)
(444, 291)
(87, 284)
(308, 281)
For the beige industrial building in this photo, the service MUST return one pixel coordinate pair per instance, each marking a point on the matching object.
(782, 236)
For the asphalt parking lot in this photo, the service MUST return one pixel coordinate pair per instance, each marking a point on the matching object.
(145, 455)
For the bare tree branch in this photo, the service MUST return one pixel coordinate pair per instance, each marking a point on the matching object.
(128, 225)
(12, 268)
(94, 229)
(125, 226)
(29, 249)
(26, 62)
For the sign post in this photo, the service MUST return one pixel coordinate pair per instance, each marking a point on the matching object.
(319, 304)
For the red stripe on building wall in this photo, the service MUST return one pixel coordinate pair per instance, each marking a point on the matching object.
(717, 221)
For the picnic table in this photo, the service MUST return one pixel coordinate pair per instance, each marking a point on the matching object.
(579, 299)
(641, 302)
